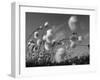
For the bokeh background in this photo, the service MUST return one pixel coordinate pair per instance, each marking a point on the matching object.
(60, 22)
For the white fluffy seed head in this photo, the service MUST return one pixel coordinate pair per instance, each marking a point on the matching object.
(58, 55)
(39, 42)
(47, 47)
(73, 19)
(49, 32)
(36, 34)
(44, 37)
(47, 39)
(48, 35)
(72, 23)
